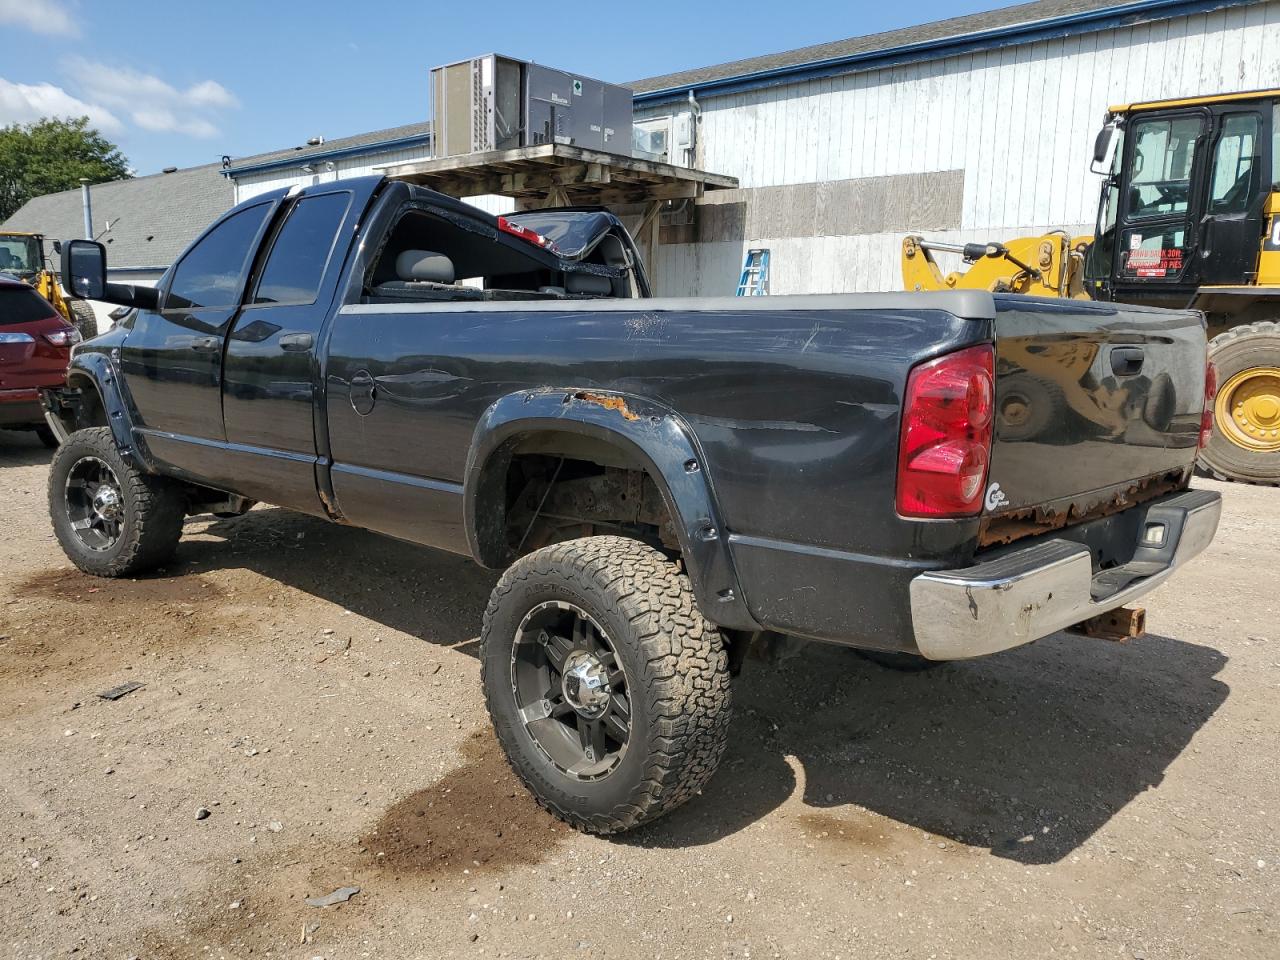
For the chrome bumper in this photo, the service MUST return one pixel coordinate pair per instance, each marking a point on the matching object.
(1027, 594)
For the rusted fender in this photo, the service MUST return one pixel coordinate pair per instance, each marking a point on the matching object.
(652, 435)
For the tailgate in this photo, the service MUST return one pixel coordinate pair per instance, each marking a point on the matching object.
(1098, 406)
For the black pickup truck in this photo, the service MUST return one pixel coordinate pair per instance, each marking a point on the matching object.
(927, 477)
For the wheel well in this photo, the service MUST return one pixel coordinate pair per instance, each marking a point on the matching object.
(85, 408)
(546, 487)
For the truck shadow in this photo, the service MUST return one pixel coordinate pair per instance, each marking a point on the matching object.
(1026, 754)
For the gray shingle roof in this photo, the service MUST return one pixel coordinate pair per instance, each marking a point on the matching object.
(152, 218)
(872, 43)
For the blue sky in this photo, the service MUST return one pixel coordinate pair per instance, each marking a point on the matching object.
(184, 82)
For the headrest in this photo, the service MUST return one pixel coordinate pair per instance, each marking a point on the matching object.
(588, 283)
(424, 265)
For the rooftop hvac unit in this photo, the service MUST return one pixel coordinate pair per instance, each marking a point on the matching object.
(497, 103)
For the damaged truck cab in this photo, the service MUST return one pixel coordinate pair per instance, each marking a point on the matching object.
(925, 477)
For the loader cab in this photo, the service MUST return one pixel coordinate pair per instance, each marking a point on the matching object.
(1188, 198)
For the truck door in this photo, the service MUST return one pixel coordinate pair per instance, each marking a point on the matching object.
(269, 393)
(1232, 218)
(1156, 233)
(172, 358)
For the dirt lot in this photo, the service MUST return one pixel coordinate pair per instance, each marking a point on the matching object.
(315, 688)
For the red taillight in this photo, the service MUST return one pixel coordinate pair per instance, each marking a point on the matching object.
(525, 234)
(945, 448)
(1210, 395)
(68, 336)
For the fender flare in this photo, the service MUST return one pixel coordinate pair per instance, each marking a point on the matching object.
(99, 369)
(654, 436)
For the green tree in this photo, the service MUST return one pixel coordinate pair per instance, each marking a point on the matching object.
(50, 155)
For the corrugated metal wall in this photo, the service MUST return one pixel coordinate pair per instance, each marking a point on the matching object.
(1018, 122)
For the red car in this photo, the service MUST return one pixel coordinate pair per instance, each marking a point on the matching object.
(35, 349)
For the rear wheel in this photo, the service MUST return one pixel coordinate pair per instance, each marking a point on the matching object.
(1245, 443)
(111, 519)
(608, 689)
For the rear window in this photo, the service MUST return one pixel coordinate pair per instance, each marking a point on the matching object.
(23, 305)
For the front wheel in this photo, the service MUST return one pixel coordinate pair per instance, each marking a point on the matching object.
(111, 519)
(607, 688)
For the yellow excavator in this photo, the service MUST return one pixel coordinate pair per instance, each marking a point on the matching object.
(1189, 216)
(22, 255)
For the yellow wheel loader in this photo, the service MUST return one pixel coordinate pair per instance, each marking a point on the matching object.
(22, 256)
(1189, 215)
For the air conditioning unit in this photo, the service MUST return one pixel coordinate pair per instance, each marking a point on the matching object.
(665, 139)
(499, 103)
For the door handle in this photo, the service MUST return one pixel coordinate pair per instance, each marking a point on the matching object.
(296, 342)
(1127, 361)
(206, 344)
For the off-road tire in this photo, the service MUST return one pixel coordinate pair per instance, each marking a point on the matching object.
(1242, 347)
(47, 437)
(83, 318)
(902, 662)
(153, 510)
(677, 679)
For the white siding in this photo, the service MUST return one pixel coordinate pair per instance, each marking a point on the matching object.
(1018, 121)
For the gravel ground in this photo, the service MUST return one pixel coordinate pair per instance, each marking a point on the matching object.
(311, 719)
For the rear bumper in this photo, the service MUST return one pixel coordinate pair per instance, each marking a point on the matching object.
(1029, 593)
(21, 407)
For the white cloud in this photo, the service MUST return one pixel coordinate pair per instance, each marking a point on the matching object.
(150, 102)
(42, 16)
(23, 102)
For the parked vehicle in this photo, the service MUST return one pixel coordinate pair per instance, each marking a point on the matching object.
(665, 481)
(35, 350)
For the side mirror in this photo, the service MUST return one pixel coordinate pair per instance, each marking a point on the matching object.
(1104, 148)
(57, 246)
(84, 269)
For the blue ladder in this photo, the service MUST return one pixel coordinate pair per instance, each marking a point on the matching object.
(755, 273)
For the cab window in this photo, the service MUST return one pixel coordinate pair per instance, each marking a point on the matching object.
(212, 273)
(1237, 164)
(1163, 155)
(302, 249)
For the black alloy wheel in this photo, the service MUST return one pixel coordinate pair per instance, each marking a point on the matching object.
(571, 690)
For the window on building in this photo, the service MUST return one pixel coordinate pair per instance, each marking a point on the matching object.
(1237, 161)
(212, 272)
(302, 249)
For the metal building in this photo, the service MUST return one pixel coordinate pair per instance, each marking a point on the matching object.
(975, 128)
